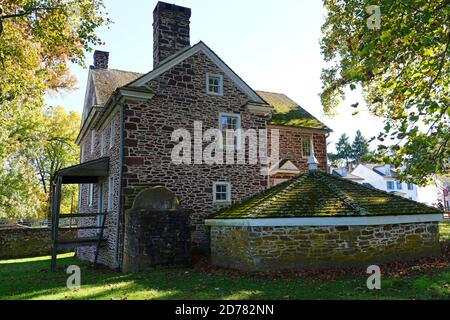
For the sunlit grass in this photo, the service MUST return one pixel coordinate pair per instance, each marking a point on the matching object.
(31, 279)
(444, 230)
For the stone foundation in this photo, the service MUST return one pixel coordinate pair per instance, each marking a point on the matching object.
(277, 248)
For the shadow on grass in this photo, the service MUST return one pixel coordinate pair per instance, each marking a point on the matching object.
(33, 280)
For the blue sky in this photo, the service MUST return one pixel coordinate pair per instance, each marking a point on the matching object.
(273, 45)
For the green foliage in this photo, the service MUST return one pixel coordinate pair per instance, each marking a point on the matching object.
(360, 147)
(55, 148)
(344, 149)
(46, 145)
(20, 193)
(403, 70)
(38, 38)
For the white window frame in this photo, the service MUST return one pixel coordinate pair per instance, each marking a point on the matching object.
(90, 194)
(92, 141)
(110, 192)
(220, 77)
(410, 186)
(228, 186)
(387, 185)
(112, 132)
(398, 185)
(236, 146)
(102, 144)
(302, 138)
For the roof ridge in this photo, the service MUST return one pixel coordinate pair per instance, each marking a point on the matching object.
(267, 202)
(341, 194)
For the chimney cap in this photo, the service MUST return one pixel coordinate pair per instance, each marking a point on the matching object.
(101, 59)
(164, 6)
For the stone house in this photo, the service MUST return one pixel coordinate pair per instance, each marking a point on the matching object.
(129, 119)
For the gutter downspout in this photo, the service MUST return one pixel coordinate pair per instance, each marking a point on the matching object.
(118, 227)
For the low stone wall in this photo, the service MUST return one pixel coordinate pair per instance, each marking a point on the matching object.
(276, 248)
(31, 242)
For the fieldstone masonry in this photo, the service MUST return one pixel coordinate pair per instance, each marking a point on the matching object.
(274, 248)
(30, 242)
(156, 231)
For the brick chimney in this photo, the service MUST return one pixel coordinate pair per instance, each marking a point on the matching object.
(101, 59)
(170, 30)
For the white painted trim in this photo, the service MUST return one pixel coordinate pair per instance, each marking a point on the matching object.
(259, 109)
(212, 75)
(136, 94)
(311, 143)
(199, 47)
(112, 133)
(228, 185)
(335, 221)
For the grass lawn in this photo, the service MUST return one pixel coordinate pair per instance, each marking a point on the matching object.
(444, 230)
(30, 279)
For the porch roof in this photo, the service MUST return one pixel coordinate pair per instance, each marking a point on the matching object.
(87, 172)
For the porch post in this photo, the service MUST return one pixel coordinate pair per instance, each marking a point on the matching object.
(56, 201)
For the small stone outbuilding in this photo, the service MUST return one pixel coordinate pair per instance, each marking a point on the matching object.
(317, 220)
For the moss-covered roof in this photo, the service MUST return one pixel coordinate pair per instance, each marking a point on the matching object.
(288, 113)
(317, 194)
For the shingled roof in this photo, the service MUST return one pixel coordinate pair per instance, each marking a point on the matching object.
(106, 81)
(288, 113)
(317, 194)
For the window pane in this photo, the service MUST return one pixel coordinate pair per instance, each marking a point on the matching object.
(306, 146)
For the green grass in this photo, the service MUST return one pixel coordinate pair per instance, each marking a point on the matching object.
(30, 279)
(444, 230)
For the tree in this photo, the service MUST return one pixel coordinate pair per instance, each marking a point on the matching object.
(402, 69)
(344, 149)
(38, 38)
(56, 148)
(360, 147)
(20, 193)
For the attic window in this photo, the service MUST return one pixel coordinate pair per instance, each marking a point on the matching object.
(214, 84)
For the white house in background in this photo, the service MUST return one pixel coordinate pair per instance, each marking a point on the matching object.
(383, 177)
(436, 193)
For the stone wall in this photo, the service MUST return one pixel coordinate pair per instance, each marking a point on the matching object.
(182, 99)
(273, 248)
(154, 238)
(106, 255)
(33, 242)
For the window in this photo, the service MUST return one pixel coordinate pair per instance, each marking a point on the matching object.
(399, 185)
(410, 186)
(306, 146)
(229, 124)
(214, 84)
(390, 185)
(92, 140)
(100, 218)
(110, 192)
(112, 132)
(222, 192)
(90, 194)
(102, 143)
